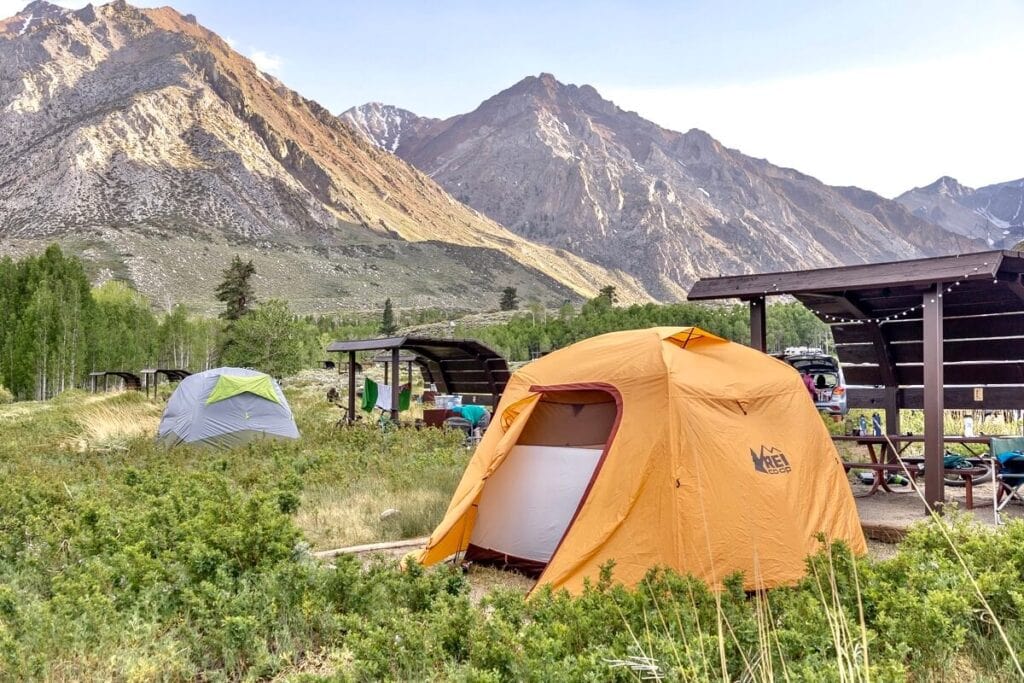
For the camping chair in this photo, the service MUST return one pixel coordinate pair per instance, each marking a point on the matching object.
(1009, 480)
(1009, 477)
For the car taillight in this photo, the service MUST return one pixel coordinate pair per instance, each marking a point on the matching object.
(839, 391)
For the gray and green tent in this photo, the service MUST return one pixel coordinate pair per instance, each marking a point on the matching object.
(225, 407)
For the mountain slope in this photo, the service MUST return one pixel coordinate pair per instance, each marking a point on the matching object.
(142, 139)
(994, 213)
(561, 165)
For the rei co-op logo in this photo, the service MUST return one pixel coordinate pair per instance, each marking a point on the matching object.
(770, 460)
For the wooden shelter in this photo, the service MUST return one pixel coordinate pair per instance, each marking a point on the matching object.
(932, 333)
(455, 366)
(132, 382)
(407, 359)
(151, 377)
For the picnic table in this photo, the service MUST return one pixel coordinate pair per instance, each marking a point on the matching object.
(888, 461)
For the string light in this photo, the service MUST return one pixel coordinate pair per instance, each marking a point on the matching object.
(840, 320)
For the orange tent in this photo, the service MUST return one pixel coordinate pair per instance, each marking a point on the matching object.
(660, 447)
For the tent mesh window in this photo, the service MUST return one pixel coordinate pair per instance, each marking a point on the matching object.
(571, 418)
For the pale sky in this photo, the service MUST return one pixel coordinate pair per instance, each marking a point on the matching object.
(881, 94)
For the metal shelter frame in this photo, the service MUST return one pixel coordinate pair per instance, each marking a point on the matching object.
(936, 333)
(151, 377)
(407, 358)
(132, 382)
(455, 366)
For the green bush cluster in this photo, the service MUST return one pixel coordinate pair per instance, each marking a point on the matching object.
(137, 568)
(789, 324)
(146, 564)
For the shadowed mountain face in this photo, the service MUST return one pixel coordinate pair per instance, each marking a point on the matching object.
(143, 141)
(994, 213)
(561, 165)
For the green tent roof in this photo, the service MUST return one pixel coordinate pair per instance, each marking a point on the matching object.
(233, 385)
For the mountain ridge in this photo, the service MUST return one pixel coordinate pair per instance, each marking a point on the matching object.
(143, 131)
(994, 213)
(559, 164)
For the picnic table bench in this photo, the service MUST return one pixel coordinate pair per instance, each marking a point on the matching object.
(912, 467)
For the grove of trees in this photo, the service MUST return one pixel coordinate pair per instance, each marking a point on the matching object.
(528, 334)
(55, 328)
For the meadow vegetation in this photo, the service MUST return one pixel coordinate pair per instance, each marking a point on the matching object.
(120, 560)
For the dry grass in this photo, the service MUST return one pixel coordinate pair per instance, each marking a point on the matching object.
(110, 426)
(334, 518)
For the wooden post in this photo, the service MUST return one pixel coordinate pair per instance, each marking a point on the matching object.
(934, 445)
(395, 375)
(758, 324)
(892, 410)
(351, 386)
(387, 373)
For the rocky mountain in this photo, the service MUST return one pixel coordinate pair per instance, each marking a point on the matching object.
(994, 213)
(143, 141)
(561, 165)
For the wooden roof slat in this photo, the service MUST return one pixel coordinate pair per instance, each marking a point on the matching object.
(974, 374)
(919, 272)
(954, 351)
(902, 330)
(995, 398)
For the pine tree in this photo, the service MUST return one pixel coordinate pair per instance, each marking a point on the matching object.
(509, 299)
(608, 294)
(236, 290)
(387, 320)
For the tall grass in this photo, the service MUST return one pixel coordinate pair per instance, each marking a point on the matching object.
(110, 425)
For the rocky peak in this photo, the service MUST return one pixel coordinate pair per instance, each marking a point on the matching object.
(947, 187)
(387, 126)
(560, 164)
(142, 134)
(33, 15)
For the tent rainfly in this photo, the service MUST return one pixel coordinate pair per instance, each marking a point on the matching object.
(226, 407)
(660, 447)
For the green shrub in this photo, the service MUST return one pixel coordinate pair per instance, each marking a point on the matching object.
(143, 563)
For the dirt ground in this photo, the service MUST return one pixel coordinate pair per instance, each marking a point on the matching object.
(900, 510)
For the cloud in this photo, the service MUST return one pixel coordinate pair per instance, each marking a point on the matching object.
(266, 61)
(232, 43)
(884, 129)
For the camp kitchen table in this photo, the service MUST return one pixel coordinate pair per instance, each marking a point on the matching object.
(882, 468)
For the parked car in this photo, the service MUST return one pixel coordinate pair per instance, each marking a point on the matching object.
(827, 374)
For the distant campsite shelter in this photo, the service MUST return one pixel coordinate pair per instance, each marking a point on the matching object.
(929, 334)
(455, 366)
(151, 377)
(132, 382)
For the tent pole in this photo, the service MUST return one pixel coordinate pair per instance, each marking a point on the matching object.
(934, 445)
(395, 376)
(351, 387)
(758, 324)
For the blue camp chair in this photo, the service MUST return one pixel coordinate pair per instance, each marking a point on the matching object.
(1009, 479)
